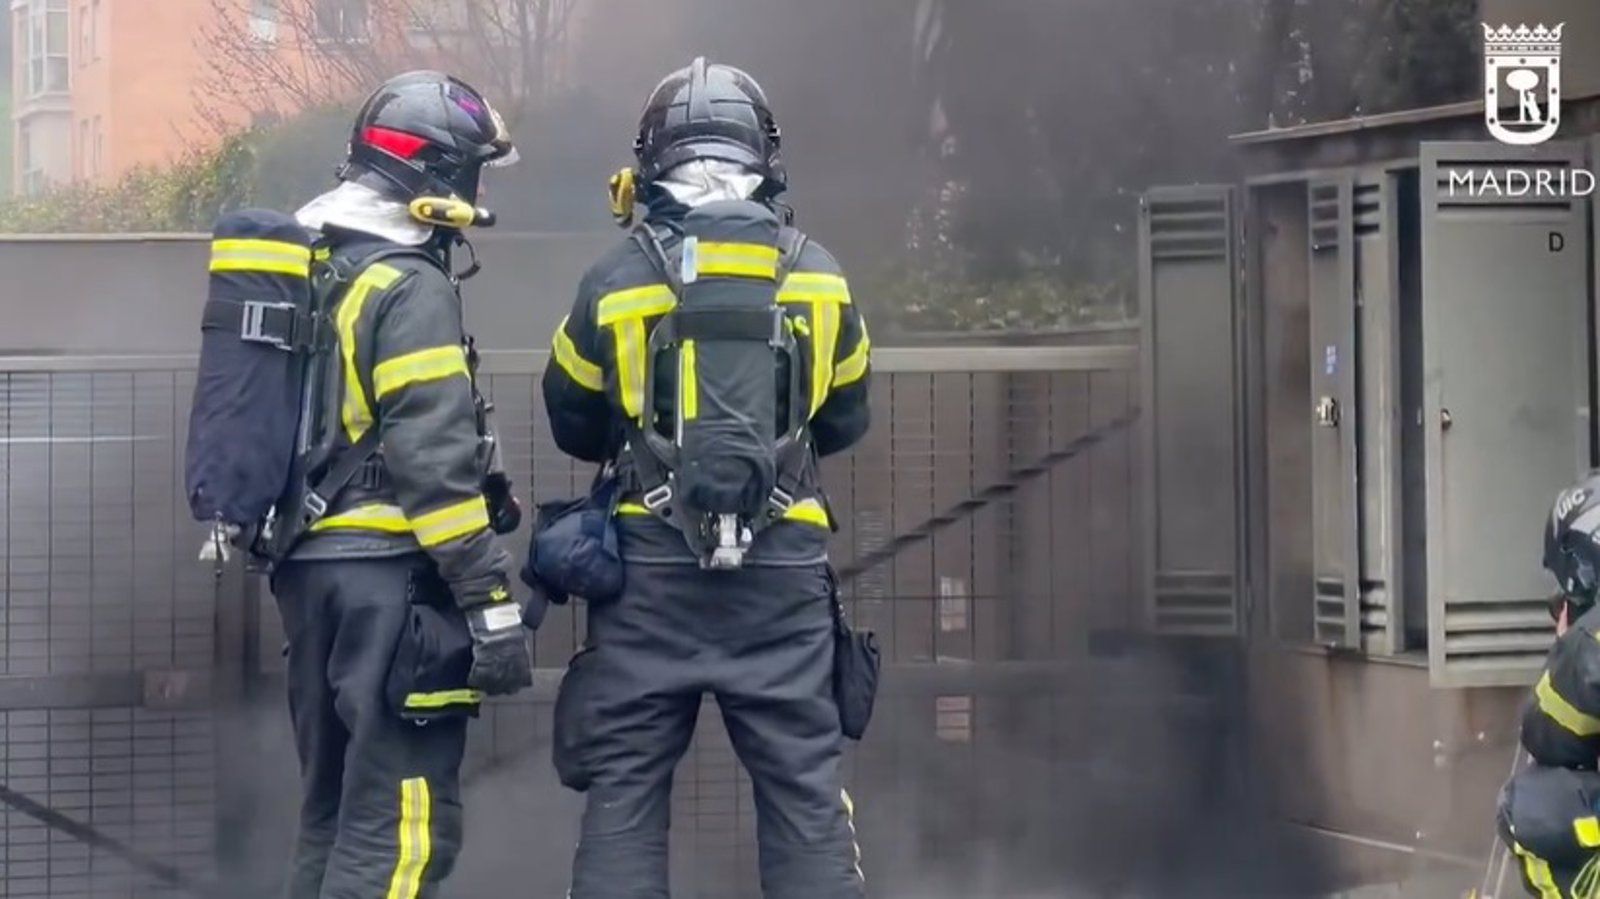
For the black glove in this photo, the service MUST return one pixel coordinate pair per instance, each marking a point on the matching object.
(505, 513)
(500, 661)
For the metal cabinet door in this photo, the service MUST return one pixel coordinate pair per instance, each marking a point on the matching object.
(1505, 359)
(1376, 228)
(1190, 414)
(1336, 563)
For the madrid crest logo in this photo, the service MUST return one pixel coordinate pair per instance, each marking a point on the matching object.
(1522, 83)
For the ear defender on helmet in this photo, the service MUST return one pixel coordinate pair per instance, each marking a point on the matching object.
(450, 212)
(622, 191)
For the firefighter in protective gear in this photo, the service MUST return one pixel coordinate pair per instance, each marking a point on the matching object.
(759, 637)
(1547, 813)
(396, 600)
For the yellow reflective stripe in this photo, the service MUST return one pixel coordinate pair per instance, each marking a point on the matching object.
(688, 382)
(635, 302)
(1563, 712)
(806, 511)
(442, 699)
(356, 411)
(850, 818)
(630, 338)
(452, 521)
(1538, 873)
(413, 368)
(747, 260)
(272, 256)
(854, 366)
(381, 517)
(1587, 831)
(824, 341)
(814, 287)
(416, 842)
(579, 369)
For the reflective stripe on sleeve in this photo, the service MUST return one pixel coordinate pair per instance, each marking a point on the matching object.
(1538, 873)
(452, 521)
(854, 366)
(1563, 712)
(584, 373)
(413, 368)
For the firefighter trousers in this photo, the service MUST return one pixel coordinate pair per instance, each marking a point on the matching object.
(380, 814)
(760, 640)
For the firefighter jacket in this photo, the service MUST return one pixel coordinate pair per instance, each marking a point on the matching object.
(401, 365)
(595, 383)
(1561, 721)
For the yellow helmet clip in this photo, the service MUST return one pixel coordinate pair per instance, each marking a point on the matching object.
(623, 192)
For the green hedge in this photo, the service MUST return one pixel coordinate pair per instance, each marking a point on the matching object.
(278, 166)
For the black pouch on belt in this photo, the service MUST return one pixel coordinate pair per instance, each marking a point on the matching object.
(856, 663)
(428, 677)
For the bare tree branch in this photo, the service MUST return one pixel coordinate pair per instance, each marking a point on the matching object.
(293, 57)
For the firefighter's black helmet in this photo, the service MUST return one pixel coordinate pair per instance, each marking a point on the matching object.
(1572, 541)
(709, 111)
(426, 134)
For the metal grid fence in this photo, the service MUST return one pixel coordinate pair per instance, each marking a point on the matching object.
(115, 641)
(101, 606)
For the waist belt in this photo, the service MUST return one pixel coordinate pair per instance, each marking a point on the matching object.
(807, 511)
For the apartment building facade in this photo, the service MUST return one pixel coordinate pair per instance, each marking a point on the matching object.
(101, 87)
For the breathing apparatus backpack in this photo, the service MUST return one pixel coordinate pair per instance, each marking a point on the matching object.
(254, 424)
(731, 462)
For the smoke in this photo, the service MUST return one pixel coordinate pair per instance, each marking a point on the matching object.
(1124, 776)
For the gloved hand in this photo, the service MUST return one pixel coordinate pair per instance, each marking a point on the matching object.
(505, 513)
(501, 664)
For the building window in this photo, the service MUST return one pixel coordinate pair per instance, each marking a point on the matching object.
(264, 21)
(99, 147)
(45, 47)
(439, 24)
(341, 21)
(31, 162)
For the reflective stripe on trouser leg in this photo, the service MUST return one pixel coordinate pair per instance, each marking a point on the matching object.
(398, 785)
(850, 815)
(416, 843)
